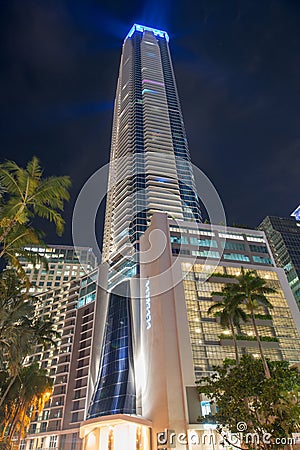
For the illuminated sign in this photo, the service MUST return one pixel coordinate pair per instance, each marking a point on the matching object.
(142, 28)
(148, 305)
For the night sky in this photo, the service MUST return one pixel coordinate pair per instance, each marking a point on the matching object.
(238, 75)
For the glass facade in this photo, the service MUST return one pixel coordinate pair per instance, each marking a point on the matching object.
(150, 168)
(284, 238)
(211, 344)
(215, 243)
(115, 389)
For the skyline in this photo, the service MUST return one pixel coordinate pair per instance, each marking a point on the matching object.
(58, 95)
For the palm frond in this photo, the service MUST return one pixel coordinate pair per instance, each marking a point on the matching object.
(34, 169)
(8, 180)
(50, 214)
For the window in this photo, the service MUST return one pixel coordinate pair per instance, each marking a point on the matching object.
(262, 260)
(75, 417)
(76, 405)
(62, 442)
(234, 246)
(258, 248)
(77, 394)
(179, 240)
(231, 236)
(236, 257)
(255, 239)
(53, 441)
(206, 254)
(74, 440)
(204, 242)
(205, 408)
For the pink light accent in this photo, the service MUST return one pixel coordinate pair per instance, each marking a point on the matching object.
(153, 82)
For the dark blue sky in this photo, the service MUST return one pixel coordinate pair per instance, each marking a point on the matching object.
(238, 74)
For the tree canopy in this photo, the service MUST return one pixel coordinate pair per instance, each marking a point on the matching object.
(265, 407)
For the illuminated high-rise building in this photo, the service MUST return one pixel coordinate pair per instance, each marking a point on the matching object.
(150, 171)
(150, 167)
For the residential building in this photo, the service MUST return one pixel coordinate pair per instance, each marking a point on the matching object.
(65, 263)
(150, 168)
(71, 307)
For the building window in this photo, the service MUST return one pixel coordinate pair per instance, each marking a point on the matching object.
(260, 259)
(53, 442)
(234, 246)
(231, 236)
(204, 242)
(205, 408)
(179, 240)
(62, 442)
(76, 405)
(236, 257)
(74, 441)
(258, 248)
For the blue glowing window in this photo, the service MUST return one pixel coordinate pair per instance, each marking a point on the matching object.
(259, 259)
(162, 180)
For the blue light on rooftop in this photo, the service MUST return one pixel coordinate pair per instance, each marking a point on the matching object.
(142, 28)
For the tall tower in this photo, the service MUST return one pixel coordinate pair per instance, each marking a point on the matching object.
(150, 171)
(150, 167)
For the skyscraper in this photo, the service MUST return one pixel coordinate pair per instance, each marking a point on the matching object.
(150, 171)
(283, 234)
(150, 167)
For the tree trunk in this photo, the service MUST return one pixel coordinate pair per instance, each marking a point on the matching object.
(265, 365)
(7, 230)
(8, 389)
(15, 421)
(237, 358)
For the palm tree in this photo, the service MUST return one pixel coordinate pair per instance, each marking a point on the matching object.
(20, 330)
(229, 312)
(14, 247)
(28, 195)
(31, 389)
(252, 290)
